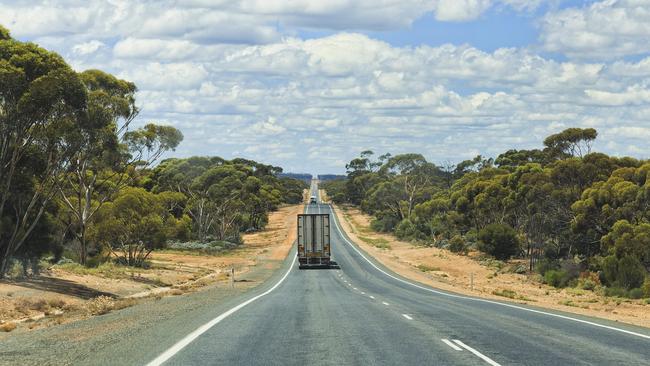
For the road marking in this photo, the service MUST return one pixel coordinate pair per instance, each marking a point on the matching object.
(476, 353)
(385, 303)
(407, 316)
(163, 357)
(363, 293)
(354, 288)
(336, 224)
(447, 342)
(372, 297)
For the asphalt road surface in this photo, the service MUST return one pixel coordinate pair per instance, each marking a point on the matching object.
(364, 314)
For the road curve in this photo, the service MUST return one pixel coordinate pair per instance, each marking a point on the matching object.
(363, 314)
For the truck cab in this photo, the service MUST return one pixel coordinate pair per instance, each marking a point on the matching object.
(313, 200)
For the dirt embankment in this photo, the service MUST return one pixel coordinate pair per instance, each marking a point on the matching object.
(69, 292)
(477, 276)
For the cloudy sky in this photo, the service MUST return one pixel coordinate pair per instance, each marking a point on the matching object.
(308, 84)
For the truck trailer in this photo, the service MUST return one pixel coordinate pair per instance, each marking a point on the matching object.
(314, 241)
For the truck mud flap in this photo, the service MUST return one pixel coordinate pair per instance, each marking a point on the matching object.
(331, 265)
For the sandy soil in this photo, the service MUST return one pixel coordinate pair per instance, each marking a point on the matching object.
(64, 294)
(445, 270)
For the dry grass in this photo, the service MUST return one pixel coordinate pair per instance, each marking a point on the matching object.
(427, 268)
(100, 305)
(7, 327)
(380, 243)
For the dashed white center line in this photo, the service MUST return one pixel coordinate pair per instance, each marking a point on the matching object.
(372, 297)
(354, 288)
(448, 342)
(385, 303)
(476, 353)
(363, 293)
(407, 316)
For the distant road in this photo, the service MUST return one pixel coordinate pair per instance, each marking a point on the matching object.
(364, 314)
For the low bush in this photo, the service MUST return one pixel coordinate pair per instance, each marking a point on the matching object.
(631, 272)
(385, 224)
(616, 292)
(558, 278)
(406, 230)
(635, 293)
(499, 240)
(100, 305)
(545, 265)
(610, 269)
(646, 288)
(588, 281)
(457, 245)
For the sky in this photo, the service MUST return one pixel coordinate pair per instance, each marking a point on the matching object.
(309, 84)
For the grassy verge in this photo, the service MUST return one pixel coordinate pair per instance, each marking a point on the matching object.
(380, 243)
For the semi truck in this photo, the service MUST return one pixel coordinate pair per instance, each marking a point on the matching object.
(314, 249)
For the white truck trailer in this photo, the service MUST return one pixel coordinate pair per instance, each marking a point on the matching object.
(314, 249)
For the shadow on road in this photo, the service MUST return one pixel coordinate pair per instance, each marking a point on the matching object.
(60, 286)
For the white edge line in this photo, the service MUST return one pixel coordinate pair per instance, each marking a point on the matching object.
(477, 353)
(482, 300)
(447, 342)
(163, 357)
(407, 316)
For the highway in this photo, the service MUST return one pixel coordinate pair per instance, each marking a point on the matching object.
(364, 314)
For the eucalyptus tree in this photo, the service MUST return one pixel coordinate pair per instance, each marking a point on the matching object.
(111, 154)
(42, 102)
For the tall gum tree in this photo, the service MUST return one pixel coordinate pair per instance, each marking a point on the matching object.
(111, 154)
(42, 103)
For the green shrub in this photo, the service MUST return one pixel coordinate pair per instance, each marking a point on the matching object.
(406, 230)
(586, 284)
(384, 224)
(615, 292)
(646, 288)
(635, 293)
(588, 281)
(545, 265)
(498, 240)
(457, 245)
(557, 278)
(631, 272)
(610, 269)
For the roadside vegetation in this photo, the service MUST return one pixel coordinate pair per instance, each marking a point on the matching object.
(579, 218)
(78, 181)
(85, 191)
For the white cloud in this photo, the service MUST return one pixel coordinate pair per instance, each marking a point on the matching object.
(237, 82)
(634, 95)
(461, 10)
(268, 127)
(348, 91)
(606, 29)
(87, 48)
